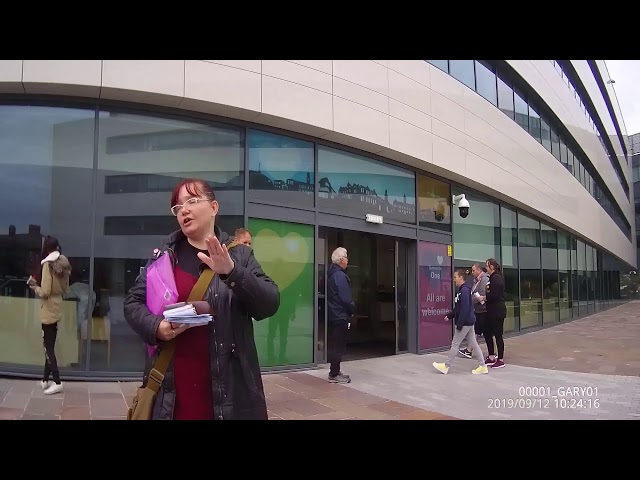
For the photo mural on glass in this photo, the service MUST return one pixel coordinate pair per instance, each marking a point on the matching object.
(46, 161)
(436, 295)
(280, 169)
(286, 252)
(355, 186)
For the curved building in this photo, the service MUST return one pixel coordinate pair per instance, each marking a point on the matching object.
(310, 155)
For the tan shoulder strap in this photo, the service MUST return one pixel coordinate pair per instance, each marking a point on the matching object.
(156, 376)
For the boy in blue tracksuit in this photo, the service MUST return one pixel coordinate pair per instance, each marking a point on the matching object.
(465, 319)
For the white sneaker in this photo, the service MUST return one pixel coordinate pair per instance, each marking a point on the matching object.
(55, 388)
(44, 385)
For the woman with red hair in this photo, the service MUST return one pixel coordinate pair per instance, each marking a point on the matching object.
(214, 373)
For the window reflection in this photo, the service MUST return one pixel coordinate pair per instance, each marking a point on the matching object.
(505, 98)
(477, 237)
(530, 274)
(486, 82)
(46, 157)
(509, 240)
(534, 124)
(441, 64)
(564, 272)
(463, 70)
(521, 109)
(550, 281)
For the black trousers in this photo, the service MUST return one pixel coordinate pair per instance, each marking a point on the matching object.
(494, 327)
(49, 334)
(337, 345)
(481, 320)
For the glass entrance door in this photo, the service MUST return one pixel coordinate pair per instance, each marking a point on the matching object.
(372, 270)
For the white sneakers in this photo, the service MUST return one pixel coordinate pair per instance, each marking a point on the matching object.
(50, 388)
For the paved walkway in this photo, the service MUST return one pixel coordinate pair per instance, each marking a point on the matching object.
(596, 359)
(289, 397)
(607, 342)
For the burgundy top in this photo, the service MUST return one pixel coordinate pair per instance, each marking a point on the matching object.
(194, 400)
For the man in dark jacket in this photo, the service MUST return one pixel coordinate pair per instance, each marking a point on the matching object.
(246, 293)
(340, 308)
(464, 319)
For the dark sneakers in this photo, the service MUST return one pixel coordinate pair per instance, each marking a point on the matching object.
(340, 378)
(498, 364)
(464, 352)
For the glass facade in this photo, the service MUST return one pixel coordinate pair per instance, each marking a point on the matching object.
(100, 180)
(534, 119)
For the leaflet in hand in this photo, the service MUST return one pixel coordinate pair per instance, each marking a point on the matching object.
(186, 315)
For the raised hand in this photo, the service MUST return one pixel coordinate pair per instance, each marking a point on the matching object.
(218, 259)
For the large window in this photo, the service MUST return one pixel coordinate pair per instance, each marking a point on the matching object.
(441, 64)
(434, 202)
(582, 277)
(546, 134)
(534, 124)
(463, 70)
(486, 82)
(530, 274)
(353, 185)
(590, 280)
(46, 161)
(505, 98)
(280, 169)
(522, 111)
(550, 282)
(509, 240)
(564, 275)
(286, 253)
(477, 237)
(134, 219)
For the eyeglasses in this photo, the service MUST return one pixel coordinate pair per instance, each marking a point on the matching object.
(189, 203)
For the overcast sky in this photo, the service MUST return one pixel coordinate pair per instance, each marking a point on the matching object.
(626, 73)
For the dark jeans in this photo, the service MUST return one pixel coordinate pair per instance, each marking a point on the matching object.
(494, 328)
(49, 334)
(337, 345)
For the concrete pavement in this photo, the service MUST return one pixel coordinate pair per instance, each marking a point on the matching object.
(585, 369)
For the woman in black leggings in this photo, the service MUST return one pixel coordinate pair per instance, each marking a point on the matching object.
(496, 313)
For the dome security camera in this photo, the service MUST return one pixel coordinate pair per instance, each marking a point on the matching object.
(463, 205)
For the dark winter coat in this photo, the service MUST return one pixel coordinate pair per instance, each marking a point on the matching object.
(340, 305)
(246, 293)
(496, 307)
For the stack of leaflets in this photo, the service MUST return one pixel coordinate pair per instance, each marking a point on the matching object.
(185, 314)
